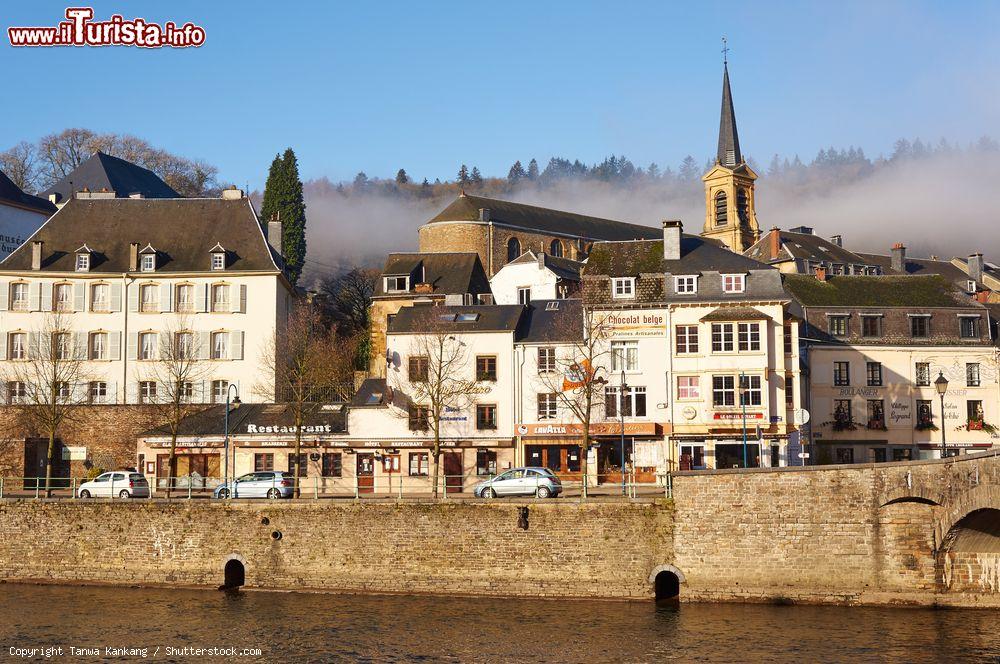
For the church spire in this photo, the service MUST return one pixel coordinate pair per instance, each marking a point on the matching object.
(729, 140)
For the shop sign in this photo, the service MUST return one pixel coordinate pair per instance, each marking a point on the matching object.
(197, 444)
(963, 445)
(74, 453)
(859, 392)
(899, 412)
(730, 416)
(454, 414)
(596, 429)
(305, 428)
(637, 323)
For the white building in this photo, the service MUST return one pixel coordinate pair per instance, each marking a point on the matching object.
(20, 215)
(113, 276)
(536, 277)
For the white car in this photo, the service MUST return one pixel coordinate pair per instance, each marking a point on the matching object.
(120, 483)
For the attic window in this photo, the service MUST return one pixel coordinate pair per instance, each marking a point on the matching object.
(374, 399)
(218, 257)
(970, 286)
(466, 318)
(733, 283)
(623, 287)
(148, 263)
(397, 284)
(552, 306)
(83, 261)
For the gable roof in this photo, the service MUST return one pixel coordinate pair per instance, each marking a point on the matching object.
(882, 291)
(102, 171)
(698, 254)
(552, 321)
(544, 220)
(564, 268)
(482, 318)
(182, 230)
(448, 273)
(806, 247)
(12, 194)
(919, 266)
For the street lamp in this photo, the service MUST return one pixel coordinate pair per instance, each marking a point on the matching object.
(225, 463)
(621, 413)
(743, 406)
(941, 383)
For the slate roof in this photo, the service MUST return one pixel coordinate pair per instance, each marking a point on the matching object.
(734, 313)
(698, 254)
(483, 318)
(372, 392)
(881, 291)
(102, 171)
(211, 421)
(729, 154)
(448, 272)
(545, 220)
(805, 246)
(552, 321)
(564, 268)
(183, 230)
(919, 266)
(11, 193)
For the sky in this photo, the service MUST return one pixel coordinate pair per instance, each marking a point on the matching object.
(378, 86)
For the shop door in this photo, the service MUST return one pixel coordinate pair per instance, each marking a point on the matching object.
(453, 471)
(366, 473)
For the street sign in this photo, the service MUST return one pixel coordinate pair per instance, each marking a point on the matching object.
(803, 455)
(800, 416)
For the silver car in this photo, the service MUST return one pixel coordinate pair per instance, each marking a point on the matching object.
(529, 481)
(270, 484)
(121, 483)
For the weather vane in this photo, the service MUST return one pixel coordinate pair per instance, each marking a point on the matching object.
(725, 52)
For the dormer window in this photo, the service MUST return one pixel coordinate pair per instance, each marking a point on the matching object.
(686, 284)
(733, 283)
(83, 259)
(147, 259)
(397, 284)
(623, 287)
(970, 286)
(218, 257)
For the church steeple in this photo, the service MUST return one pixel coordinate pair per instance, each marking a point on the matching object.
(729, 139)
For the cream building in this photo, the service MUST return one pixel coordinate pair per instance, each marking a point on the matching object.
(534, 276)
(20, 215)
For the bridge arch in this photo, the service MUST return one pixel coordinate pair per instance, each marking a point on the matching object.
(666, 580)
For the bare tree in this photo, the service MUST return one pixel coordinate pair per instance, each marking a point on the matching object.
(580, 373)
(47, 381)
(437, 379)
(310, 368)
(349, 297)
(20, 164)
(175, 370)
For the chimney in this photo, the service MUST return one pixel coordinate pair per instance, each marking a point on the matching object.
(232, 194)
(133, 257)
(36, 255)
(983, 296)
(484, 214)
(541, 260)
(821, 273)
(672, 239)
(837, 240)
(274, 234)
(976, 267)
(775, 243)
(899, 257)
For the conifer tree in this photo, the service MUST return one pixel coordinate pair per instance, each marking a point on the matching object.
(477, 177)
(463, 175)
(516, 173)
(283, 201)
(401, 177)
(532, 170)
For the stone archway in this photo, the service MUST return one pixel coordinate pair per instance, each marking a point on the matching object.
(234, 572)
(969, 559)
(666, 580)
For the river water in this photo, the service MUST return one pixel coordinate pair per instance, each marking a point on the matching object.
(298, 627)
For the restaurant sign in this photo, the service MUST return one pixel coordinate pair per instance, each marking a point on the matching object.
(596, 429)
(730, 416)
(305, 428)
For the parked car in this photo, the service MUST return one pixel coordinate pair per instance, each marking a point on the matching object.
(119, 483)
(274, 485)
(531, 481)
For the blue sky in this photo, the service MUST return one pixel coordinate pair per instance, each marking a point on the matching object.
(376, 86)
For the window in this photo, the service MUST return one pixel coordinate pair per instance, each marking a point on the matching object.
(972, 374)
(841, 374)
(547, 406)
(486, 368)
(184, 298)
(419, 418)
(733, 283)
(99, 346)
(18, 346)
(688, 387)
(974, 409)
(218, 261)
(418, 464)
(871, 326)
(546, 360)
(692, 457)
(624, 355)
(873, 372)
(62, 297)
(148, 263)
(631, 404)
(556, 248)
(845, 455)
(753, 395)
(220, 345)
(920, 326)
(970, 286)
(63, 390)
(184, 342)
(787, 338)
(486, 462)
(17, 392)
(263, 462)
(98, 392)
(838, 326)
(186, 391)
(922, 374)
(63, 343)
(876, 414)
(686, 284)
(721, 209)
(19, 297)
(968, 327)
(749, 336)
(789, 392)
(100, 297)
(147, 391)
(332, 464)
(925, 415)
(303, 464)
(523, 295)
(220, 390)
(83, 262)
(837, 268)
(149, 297)
(623, 287)
(722, 338)
(687, 339)
(418, 368)
(486, 417)
(513, 249)
(220, 297)
(723, 391)
(147, 346)
(390, 463)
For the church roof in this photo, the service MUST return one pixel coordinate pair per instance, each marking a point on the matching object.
(729, 140)
(102, 171)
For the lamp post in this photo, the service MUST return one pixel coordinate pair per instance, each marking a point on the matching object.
(621, 414)
(743, 407)
(941, 383)
(225, 462)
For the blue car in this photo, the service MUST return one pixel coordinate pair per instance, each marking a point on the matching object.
(270, 484)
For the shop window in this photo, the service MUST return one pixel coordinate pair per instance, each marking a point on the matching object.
(845, 455)
(332, 464)
(419, 418)
(486, 417)
(486, 368)
(303, 464)
(486, 462)
(902, 454)
(876, 455)
(692, 457)
(687, 339)
(390, 463)
(418, 369)
(418, 464)
(263, 462)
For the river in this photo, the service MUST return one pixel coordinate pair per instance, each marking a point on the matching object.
(297, 627)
